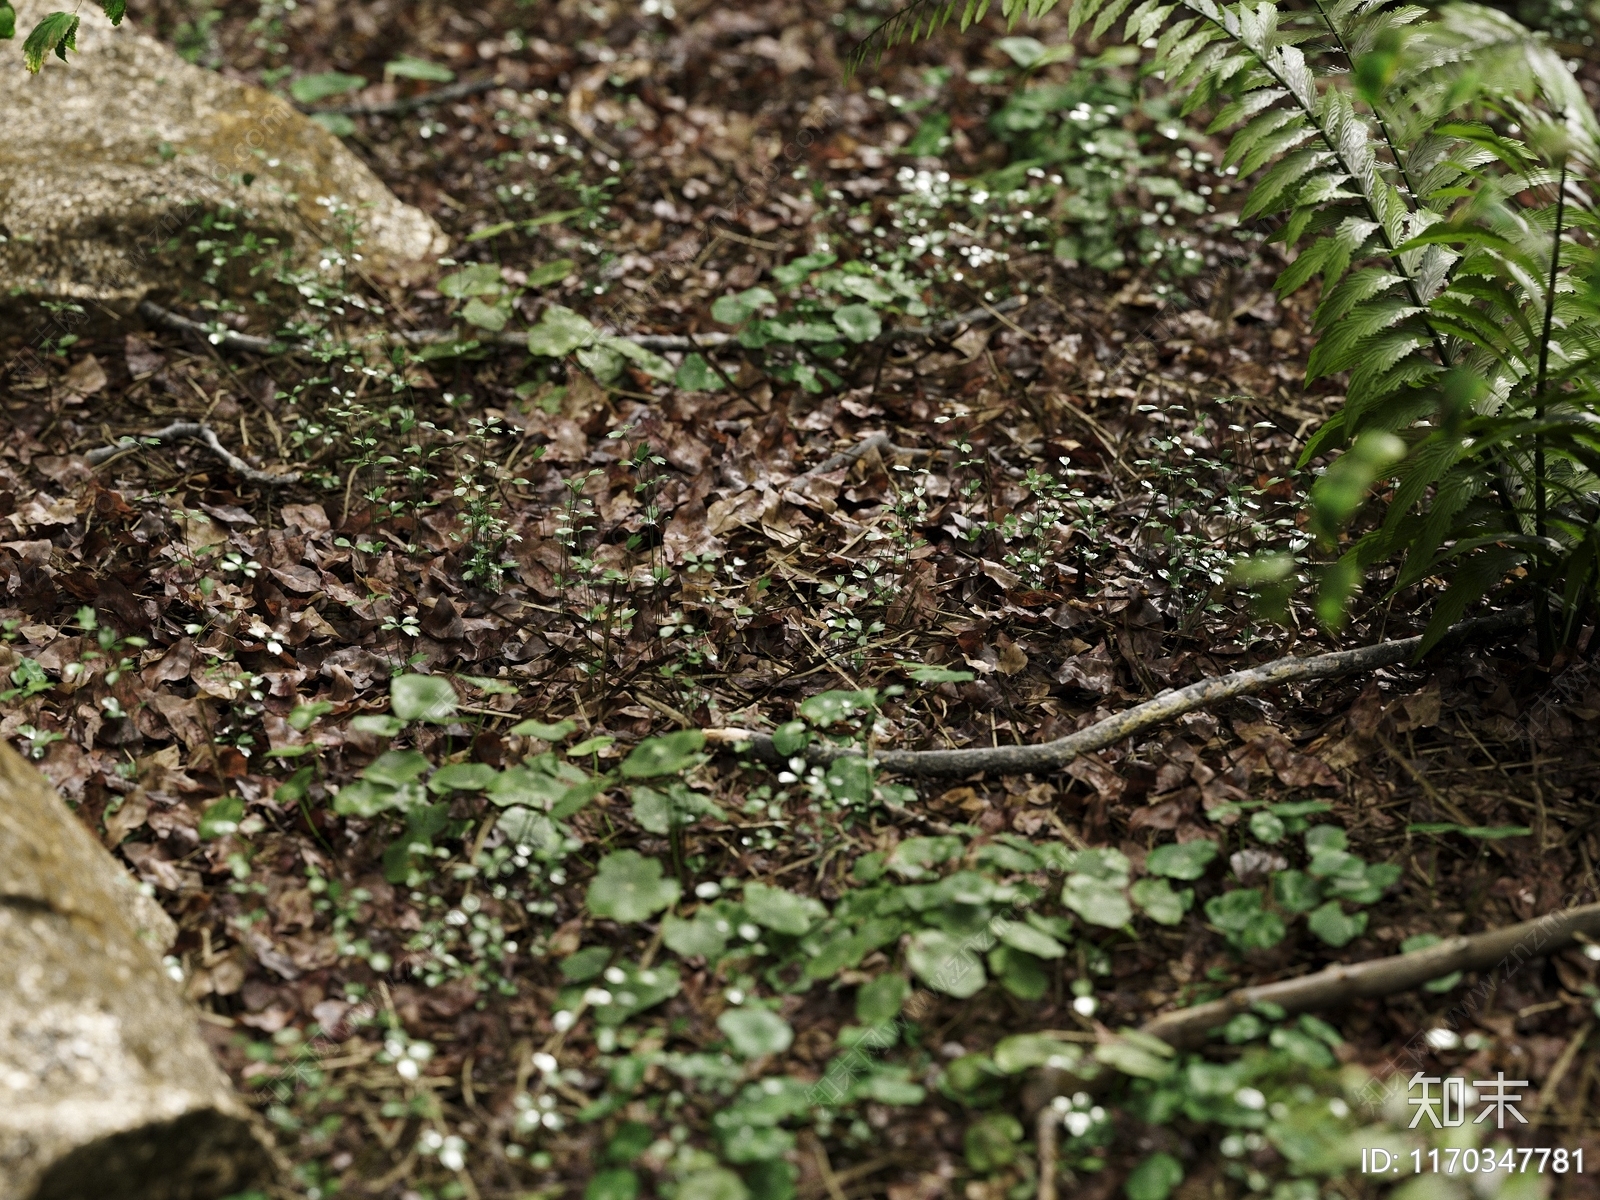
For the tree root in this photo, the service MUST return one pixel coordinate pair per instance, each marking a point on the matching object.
(207, 437)
(227, 339)
(1052, 756)
(1505, 949)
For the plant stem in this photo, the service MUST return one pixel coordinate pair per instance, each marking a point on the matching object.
(1542, 615)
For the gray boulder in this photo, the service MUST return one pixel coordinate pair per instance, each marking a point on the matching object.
(107, 157)
(106, 1087)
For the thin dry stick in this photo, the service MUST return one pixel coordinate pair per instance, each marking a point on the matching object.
(456, 91)
(207, 437)
(1498, 948)
(1052, 756)
(1048, 1119)
(227, 339)
(1552, 1081)
(878, 441)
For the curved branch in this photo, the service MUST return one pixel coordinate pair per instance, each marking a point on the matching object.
(207, 437)
(1498, 948)
(1052, 756)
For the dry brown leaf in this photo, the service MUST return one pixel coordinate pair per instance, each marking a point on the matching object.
(86, 376)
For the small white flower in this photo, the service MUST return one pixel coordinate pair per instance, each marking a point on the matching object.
(564, 1021)
(452, 1155)
(1249, 1097)
(545, 1063)
(1084, 1006)
(1442, 1039)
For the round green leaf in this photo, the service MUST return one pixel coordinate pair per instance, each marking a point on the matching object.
(1160, 902)
(525, 827)
(1334, 926)
(1266, 827)
(991, 1142)
(559, 332)
(695, 374)
(1296, 891)
(363, 798)
(1097, 901)
(396, 768)
(945, 963)
(664, 755)
(756, 1143)
(705, 935)
(1020, 973)
(1186, 860)
(1326, 837)
(422, 698)
(462, 777)
(1232, 911)
(406, 67)
(485, 316)
(1109, 865)
(1026, 938)
(859, 322)
(222, 817)
(1024, 51)
(617, 1184)
(879, 1000)
(827, 707)
(790, 737)
(542, 731)
(718, 1183)
(629, 887)
(310, 89)
(1142, 1062)
(1024, 1051)
(585, 964)
(755, 1032)
(782, 911)
(1154, 1178)
(381, 724)
(479, 279)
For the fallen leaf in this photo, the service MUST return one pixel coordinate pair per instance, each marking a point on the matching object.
(1093, 672)
(135, 807)
(86, 376)
(1012, 659)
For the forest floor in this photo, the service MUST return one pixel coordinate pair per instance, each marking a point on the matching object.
(1047, 526)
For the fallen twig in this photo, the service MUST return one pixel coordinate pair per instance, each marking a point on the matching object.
(391, 108)
(1498, 948)
(878, 441)
(207, 437)
(227, 339)
(223, 338)
(1045, 1129)
(1053, 755)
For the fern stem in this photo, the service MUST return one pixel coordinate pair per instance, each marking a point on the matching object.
(1413, 200)
(1544, 355)
(1439, 345)
(1545, 631)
